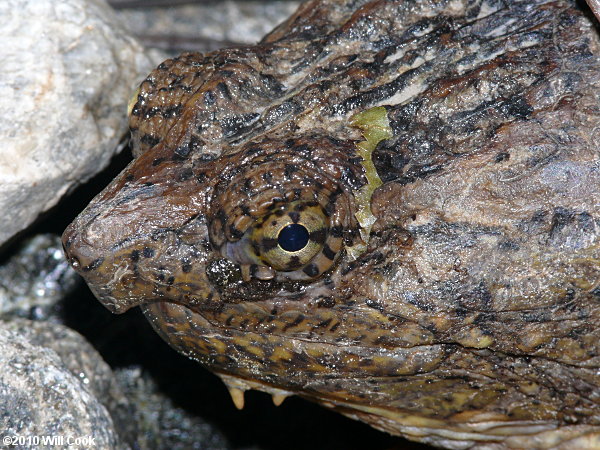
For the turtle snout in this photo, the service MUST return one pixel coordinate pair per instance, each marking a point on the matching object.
(109, 276)
(81, 255)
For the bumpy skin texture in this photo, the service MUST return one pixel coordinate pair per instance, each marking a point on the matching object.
(473, 317)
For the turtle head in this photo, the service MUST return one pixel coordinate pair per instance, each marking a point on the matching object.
(242, 260)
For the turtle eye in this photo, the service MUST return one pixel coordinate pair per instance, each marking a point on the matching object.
(293, 237)
(285, 211)
(290, 237)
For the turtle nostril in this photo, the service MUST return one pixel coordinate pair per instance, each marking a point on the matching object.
(293, 237)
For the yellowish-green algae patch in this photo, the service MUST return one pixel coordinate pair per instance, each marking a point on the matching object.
(375, 127)
(132, 101)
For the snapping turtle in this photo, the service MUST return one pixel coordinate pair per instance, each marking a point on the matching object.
(391, 208)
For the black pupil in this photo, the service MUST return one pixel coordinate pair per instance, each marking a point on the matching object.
(292, 238)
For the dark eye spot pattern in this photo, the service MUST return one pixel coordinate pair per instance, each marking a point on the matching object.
(283, 224)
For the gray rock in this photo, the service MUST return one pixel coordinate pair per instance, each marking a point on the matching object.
(68, 70)
(84, 362)
(42, 396)
(206, 26)
(35, 278)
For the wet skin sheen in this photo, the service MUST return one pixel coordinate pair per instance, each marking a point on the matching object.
(449, 291)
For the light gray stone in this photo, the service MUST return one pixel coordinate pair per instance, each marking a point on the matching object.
(86, 364)
(68, 70)
(41, 396)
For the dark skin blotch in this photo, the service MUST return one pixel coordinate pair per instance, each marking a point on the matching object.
(290, 169)
(294, 262)
(149, 140)
(245, 210)
(297, 321)
(224, 90)
(235, 233)
(135, 256)
(209, 98)
(319, 236)
(349, 268)
(311, 270)
(326, 302)
(375, 305)
(517, 106)
(185, 175)
(268, 244)
(502, 156)
(294, 216)
(337, 231)
(324, 323)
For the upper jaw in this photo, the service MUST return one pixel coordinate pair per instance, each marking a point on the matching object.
(132, 243)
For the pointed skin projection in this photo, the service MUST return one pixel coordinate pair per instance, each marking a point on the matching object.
(440, 282)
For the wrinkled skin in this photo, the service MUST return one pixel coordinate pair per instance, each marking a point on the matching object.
(472, 319)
